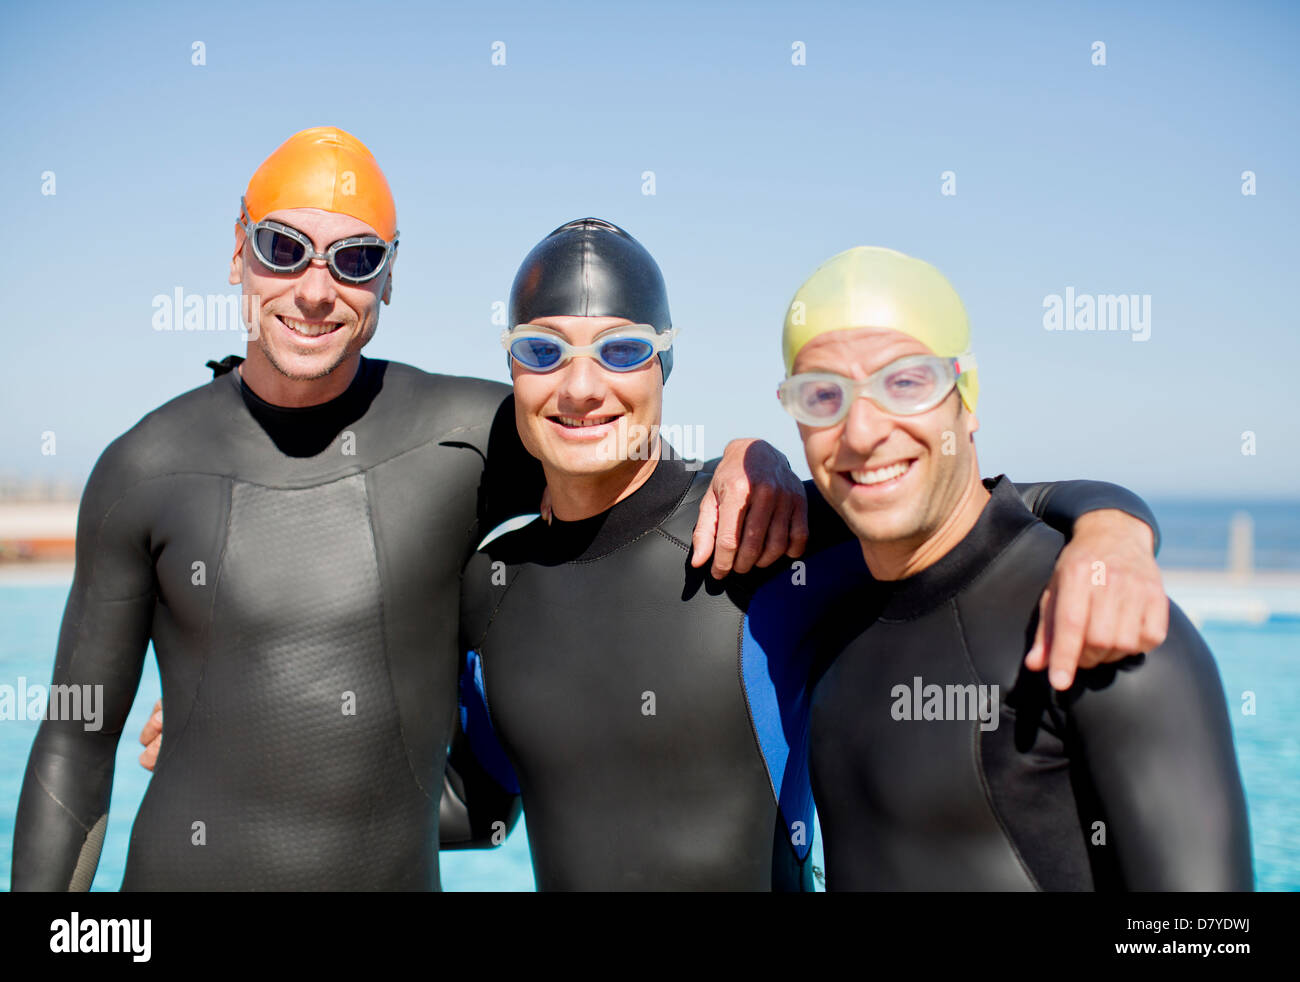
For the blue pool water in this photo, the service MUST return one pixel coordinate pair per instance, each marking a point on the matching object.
(1258, 659)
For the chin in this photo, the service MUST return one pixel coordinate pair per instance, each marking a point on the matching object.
(583, 464)
(893, 525)
(306, 367)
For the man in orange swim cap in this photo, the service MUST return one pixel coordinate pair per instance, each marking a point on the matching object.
(316, 241)
(290, 537)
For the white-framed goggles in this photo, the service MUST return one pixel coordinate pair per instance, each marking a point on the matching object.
(905, 387)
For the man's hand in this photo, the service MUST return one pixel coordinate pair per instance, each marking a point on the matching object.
(1106, 600)
(151, 737)
(754, 512)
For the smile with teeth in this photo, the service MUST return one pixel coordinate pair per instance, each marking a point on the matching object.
(309, 329)
(582, 421)
(879, 475)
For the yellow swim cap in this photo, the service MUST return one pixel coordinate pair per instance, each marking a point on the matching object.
(868, 286)
(324, 168)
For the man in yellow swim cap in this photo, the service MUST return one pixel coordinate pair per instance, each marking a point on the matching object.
(868, 309)
(939, 760)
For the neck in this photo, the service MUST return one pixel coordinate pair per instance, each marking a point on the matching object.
(578, 496)
(901, 559)
(271, 385)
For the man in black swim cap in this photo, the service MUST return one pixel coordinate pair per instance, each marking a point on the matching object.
(592, 268)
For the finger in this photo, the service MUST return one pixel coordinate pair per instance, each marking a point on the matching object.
(152, 728)
(149, 757)
(757, 527)
(1036, 659)
(1155, 622)
(799, 525)
(1091, 657)
(706, 526)
(1069, 622)
(1105, 606)
(731, 519)
(778, 532)
(1128, 625)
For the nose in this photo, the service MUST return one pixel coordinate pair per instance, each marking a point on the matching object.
(582, 382)
(866, 427)
(315, 288)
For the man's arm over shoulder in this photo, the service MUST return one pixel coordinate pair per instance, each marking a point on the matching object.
(1156, 740)
(484, 416)
(480, 798)
(1061, 503)
(480, 794)
(63, 806)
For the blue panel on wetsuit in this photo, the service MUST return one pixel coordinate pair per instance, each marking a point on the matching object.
(775, 662)
(477, 724)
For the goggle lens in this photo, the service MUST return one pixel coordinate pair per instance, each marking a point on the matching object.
(904, 389)
(623, 353)
(819, 398)
(279, 250)
(359, 262)
(535, 353)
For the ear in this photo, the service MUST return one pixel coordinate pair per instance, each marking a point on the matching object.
(237, 260)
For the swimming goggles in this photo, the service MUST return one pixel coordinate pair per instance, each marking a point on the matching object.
(628, 349)
(284, 249)
(906, 387)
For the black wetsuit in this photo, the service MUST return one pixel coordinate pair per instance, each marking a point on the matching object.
(297, 571)
(1128, 781)
(653, 719)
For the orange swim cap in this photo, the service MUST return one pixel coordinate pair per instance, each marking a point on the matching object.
(326, 168)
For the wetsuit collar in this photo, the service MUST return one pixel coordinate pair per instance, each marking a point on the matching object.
(1004, 517)
(305, 431)
(644, 509)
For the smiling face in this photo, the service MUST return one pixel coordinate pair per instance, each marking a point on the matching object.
(311, 325)
(895, 480)
(583, 420)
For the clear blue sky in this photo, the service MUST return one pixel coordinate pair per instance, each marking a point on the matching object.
(1117, 179)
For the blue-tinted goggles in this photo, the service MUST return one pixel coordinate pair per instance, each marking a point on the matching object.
(623, 351)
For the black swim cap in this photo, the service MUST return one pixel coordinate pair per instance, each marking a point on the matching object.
(592, 268)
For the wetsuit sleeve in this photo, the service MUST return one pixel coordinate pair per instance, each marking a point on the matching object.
(513, 480)
(480, 799)
(476, 810)
(1060, 503)
(1154, 737)
(63, 806)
